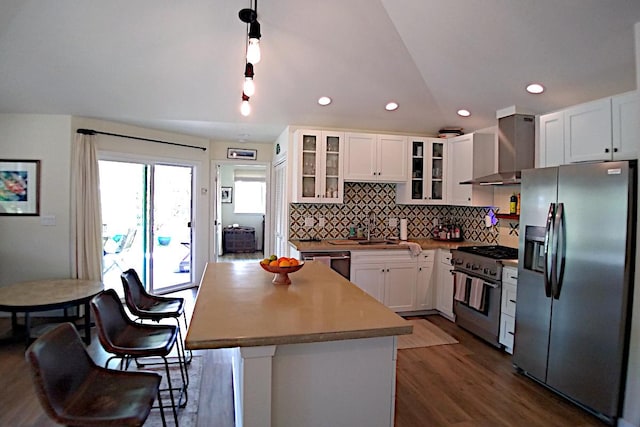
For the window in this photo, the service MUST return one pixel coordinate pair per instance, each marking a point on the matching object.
(250, 192)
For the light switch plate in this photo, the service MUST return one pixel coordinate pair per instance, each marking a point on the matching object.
(321, 222)
(48, 220)
(308, 222)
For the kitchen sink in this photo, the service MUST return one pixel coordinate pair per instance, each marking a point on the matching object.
(377, 242)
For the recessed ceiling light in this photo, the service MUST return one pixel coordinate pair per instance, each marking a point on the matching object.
(464, 113)
(391, 106)
(535, 88)
(324, 100)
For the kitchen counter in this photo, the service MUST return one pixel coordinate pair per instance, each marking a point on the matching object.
(352, 245)
(510, 262)
(238, 306)
(319, 348)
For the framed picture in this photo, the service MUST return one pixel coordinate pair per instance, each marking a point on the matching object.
(20, 187)
(242, 153)
(226, 194)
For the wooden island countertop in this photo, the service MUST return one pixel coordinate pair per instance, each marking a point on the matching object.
(238, 306)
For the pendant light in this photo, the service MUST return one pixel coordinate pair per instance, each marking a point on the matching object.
(249, 87)
(253, 50)
(252, 46)
(245, 108)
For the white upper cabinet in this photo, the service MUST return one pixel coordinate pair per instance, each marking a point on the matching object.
(318, 168)
(375, 158)
(587, 132)
(625, 126)
(470, 156)
(427, 162)
(606, 129)
(551, 131)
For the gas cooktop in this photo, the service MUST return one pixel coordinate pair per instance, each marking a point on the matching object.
(491, 251)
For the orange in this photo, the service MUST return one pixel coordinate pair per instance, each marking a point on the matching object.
(273, 263)
(293, 262)
(284, 263)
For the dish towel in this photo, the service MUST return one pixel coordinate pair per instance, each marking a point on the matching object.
(415, 248)
(461, 287)
(476, 295)
(323, 259)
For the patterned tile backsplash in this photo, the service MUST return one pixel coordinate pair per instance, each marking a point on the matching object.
(361, 199)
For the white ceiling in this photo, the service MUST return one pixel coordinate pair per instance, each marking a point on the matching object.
(178, 65)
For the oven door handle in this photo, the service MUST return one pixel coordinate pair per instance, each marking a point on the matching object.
(548, 270)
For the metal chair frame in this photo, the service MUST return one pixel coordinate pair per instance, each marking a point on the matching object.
(125, 339)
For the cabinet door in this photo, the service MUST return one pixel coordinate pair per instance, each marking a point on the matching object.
(625, 126)
(400, 286)
(424, 287)
(369, 278)
(392, 158)
(587, 132)
(360, 157)
(436, 190)
(551, 140)
(332, 184)
(460, 160)
(444, 291)
(309, 167)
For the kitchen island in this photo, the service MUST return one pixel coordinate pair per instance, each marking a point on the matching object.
(317, 352)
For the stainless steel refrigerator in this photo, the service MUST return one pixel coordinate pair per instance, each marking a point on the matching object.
(575, 281)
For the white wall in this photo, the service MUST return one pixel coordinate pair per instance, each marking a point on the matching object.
(29, 250)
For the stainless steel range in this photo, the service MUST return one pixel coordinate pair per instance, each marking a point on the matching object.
(478, 288)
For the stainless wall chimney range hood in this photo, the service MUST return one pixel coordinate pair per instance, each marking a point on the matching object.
(516, 150)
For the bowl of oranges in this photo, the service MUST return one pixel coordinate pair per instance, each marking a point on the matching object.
(282, 267)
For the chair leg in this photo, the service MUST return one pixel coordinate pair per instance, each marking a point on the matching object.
(170, 388)
(164, 421)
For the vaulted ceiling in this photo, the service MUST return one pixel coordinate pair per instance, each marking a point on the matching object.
(178, 65)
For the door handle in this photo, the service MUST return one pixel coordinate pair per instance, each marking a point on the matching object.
(548, 270)
(560, 250)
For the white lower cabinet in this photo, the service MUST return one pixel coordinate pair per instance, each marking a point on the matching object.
(444, 287)
(396, 278)
(424, 283)
(508, 307)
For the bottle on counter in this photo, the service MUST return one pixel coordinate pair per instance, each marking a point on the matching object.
(513, 204)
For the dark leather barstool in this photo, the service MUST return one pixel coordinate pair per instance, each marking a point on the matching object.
(127, 340)
(74, 391)
(146, 306)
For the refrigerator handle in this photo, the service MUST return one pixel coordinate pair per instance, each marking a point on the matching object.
(560, 230)
(548, 269)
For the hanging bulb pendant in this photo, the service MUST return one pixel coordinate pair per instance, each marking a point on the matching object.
(245, 108)
(249, 87)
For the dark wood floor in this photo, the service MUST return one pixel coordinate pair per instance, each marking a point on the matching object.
(465, 384)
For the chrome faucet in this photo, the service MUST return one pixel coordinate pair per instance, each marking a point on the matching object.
(370, 220)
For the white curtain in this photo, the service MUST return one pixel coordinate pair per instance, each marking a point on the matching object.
(86, 213)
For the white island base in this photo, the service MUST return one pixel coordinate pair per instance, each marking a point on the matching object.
(346, 383)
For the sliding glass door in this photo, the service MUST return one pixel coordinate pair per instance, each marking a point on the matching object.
(147, 214)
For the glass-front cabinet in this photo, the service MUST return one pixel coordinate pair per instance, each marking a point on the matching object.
(318, 173)
(427, 163)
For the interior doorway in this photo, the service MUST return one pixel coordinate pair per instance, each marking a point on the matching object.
(239, 208)
(147, 216)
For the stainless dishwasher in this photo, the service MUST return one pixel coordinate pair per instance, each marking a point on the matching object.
(339, 261)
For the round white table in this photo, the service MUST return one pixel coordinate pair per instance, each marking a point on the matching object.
(44, 295)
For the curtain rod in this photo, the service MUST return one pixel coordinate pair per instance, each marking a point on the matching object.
(95, 132)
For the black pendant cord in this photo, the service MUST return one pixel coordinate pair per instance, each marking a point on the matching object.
(95, 132)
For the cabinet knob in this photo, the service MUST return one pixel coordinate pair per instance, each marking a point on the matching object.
(615, 150)
(606, 150)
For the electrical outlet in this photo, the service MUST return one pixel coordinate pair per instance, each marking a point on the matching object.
(393, 222)
(321, 222)
(308, 221)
